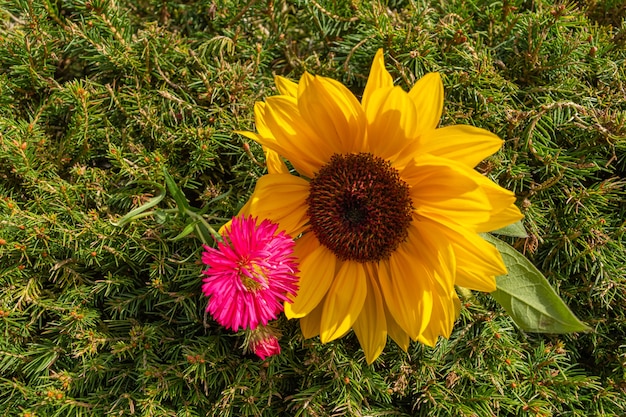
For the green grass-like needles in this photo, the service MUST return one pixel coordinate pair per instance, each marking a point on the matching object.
(99, 98)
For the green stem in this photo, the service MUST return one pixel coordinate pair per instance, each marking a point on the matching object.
(205, 227)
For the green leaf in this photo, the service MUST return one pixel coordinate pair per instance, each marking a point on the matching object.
(161, 216)
(528, 297)
(514, 230)
(185, 232)
(177, 194)
(139, 211)
(204, 233)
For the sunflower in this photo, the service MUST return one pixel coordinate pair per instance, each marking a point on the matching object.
(386, 207)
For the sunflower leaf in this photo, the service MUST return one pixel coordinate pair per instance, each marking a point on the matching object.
(528, 297)
(514, 230)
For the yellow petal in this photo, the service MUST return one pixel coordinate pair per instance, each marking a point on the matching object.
(277, 141)
(260, 110)
(499, 219)
(402, 283)
(274, 163)
(444, 266)
(281, 198)
(283, 130)
(392, 125)
(286, 86)
(332, 111)
(310, 324)
(478, 261)
(437, 181)
(317, 272)
(465, 144)
(424, 242)
(305, 245)
(250, 135)
(427, 93)
(344, 301)
(445, 312)
(503, 210)
(395, 331)
(378, 78)
(371, 327)
(442, 188)
(417, 269)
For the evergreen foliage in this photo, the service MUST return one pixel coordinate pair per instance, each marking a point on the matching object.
(99, 96)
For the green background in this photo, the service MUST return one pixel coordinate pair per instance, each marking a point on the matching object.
(97, 97)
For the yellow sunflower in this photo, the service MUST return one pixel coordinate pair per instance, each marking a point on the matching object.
(385, 206)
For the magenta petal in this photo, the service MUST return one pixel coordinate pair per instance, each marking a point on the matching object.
(250, 275)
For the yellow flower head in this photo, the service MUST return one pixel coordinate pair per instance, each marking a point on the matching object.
(386, 206)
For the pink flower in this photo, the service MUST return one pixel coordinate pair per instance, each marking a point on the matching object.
(251, 273)
(266, 346)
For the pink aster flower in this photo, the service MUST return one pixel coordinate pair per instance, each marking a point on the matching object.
(264, 343)
(250, 275)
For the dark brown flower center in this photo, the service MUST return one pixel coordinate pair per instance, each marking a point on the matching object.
(359, 207)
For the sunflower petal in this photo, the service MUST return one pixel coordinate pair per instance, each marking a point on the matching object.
(283, 130)
(503, 210)
(250, 135)
(281, 198)
(274, 163)
(441, 188)
(260, 110)
(317, 272)
(435, 180)
(441, 282)
(445, 189)
(379, 78)
(278, 143)
(333, 112)
(431, 266)
(310, 324)
(402, 283)
(499, 219)
(445, 312)
(478, 261)
(462, 143)
(395, 331)
(436, 254)
(392, 124)
(427, 94)
(371, 327)
(344, 301)
(285, 86)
